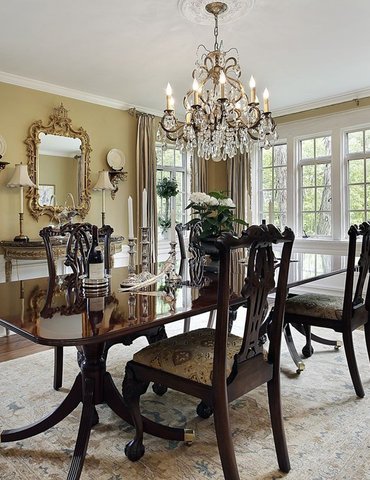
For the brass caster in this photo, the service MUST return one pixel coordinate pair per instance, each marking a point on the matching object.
(338, 345)
(301, 367)
(189, 436)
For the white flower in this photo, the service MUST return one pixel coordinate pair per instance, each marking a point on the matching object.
(213, 202)
(227, 202)
(199, 198)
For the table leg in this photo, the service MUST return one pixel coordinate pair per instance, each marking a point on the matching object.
(292, 350)
(65, 408)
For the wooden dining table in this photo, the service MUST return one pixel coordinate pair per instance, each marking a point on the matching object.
(59, 314)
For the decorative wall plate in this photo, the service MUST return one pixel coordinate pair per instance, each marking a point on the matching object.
(2, 146)
(116, 159)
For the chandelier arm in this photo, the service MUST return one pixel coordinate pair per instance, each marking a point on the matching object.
(170, 130)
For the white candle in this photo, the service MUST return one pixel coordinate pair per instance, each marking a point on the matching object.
(266, 95)
(252, 85)
(21, 207)
(103, 201)
(222, 84)
(173, 223)
(130, 219)
(168, 96)
(196, 91)
(145, 209)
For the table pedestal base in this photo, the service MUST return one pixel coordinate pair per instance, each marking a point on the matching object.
(92, 386)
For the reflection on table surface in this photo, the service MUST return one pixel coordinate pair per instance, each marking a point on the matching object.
(59, 313)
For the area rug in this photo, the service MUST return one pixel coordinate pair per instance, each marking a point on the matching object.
(327, 426)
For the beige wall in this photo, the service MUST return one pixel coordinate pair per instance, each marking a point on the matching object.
(107, 127)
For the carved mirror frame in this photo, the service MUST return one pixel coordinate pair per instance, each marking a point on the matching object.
(59, 124)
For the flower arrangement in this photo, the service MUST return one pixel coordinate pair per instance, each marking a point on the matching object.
(216, 213)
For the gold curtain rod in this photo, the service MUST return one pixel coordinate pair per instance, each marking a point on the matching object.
(136, 113)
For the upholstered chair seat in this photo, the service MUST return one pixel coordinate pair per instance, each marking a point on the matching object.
(315, 305)
(189, 355)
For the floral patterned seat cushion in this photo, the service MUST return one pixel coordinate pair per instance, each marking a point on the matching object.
(315, 305)
(188, 355)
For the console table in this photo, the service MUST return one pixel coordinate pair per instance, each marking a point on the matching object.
(35, 250)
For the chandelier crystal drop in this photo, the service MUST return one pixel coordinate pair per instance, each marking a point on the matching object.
(220, 119)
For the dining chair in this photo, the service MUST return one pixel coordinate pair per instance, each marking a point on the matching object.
(343, 314)
(215, 365)
(196, 260)
(78, 237)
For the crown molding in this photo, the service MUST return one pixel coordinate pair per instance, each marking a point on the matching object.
(120, 105)
(323, 102)
(71, 93)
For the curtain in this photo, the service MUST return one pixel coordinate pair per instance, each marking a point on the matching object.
(146, 176)
(199, 178)
(239, 189)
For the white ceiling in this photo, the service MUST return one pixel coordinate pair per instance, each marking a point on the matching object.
(307, 52)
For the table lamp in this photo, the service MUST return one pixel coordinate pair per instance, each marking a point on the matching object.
(20, 179)
(103, 183)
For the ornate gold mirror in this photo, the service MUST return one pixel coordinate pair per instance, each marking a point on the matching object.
(59, 165)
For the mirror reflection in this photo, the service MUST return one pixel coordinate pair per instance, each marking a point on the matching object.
(59, 165)
(59, 170)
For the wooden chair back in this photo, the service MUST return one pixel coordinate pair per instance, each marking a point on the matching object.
(77, 238)
(259, 282)
(353, 300)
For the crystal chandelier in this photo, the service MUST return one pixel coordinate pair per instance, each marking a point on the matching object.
(220, 119)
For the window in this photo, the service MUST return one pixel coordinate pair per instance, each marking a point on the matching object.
(357, 156)
(314, 156)
(172, 163)
(273, 188)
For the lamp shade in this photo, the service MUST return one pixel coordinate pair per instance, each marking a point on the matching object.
(20, 177)
(103, 182)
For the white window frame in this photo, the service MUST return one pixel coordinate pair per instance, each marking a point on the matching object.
(311, 161)
(346, 158)
(260, 179)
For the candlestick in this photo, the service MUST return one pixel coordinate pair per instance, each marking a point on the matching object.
(173, 224)
(21, 206)
(145, 209)
(130, 218)
(172, 276)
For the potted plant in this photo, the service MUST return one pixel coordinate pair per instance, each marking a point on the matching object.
(166, 188)
(215, 211)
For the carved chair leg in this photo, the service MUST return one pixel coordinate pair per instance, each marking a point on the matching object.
(352, 364)
(232, 316)
(58, 367)
(367, 337)
(307, 350)
(224, 437)
(132, 389)
(161, 334)
(211, 319)
(273, 389)
(292, 350)
(203, 410)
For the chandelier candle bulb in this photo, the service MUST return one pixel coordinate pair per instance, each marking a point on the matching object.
(196, 92)
(168, 96)
(130, 219)
(145, 209)
(173, 223)
(266, 96)
(222, 84)
(252, 85)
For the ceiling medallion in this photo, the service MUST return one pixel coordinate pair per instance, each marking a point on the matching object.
(221, 120)
(195, 10)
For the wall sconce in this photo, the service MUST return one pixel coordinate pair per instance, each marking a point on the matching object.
(103, 183)
(2, 152)
(116, 161)
(20, 179)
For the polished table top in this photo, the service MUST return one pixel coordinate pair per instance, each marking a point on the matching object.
(70, 319)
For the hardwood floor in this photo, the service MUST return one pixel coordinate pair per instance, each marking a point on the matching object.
(15, 346)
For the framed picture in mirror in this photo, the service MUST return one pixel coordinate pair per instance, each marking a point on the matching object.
(47, 195)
